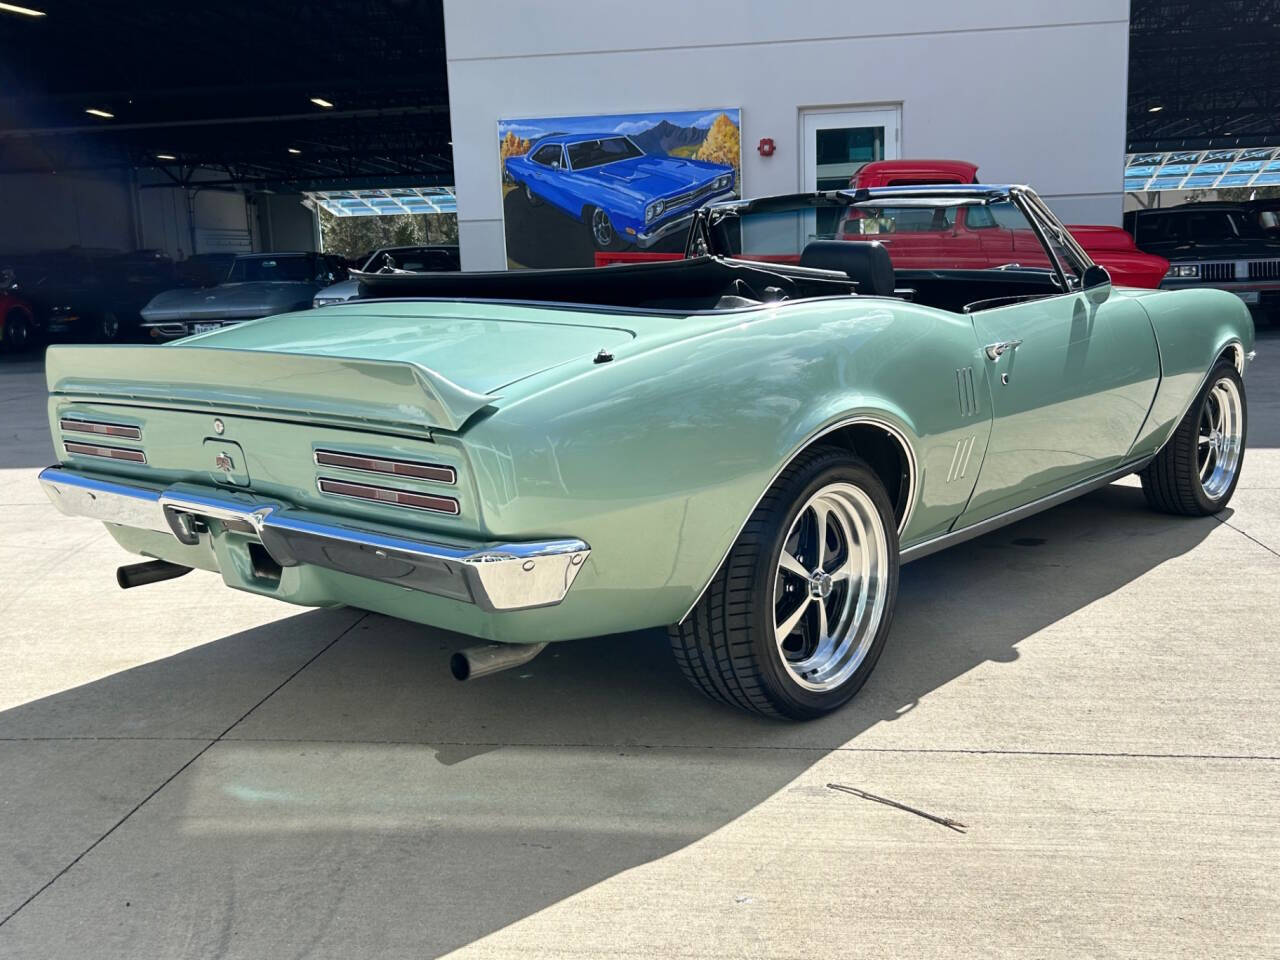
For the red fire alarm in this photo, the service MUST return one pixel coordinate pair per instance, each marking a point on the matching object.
(766, 147)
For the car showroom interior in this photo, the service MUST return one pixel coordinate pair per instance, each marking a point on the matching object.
(705, 479)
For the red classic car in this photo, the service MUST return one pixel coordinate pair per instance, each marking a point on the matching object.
(973, 236)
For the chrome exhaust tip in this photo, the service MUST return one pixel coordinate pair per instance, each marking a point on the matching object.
(491, 658)
(153, 571)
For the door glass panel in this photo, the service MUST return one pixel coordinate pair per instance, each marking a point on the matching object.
(841, 153)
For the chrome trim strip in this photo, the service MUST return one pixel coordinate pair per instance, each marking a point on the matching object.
(447, 474)
(104, 451)
(448, 505)
(1019, 513)
(884, 425)
(100, 428)
(496, 577)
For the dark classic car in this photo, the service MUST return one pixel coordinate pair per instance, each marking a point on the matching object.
(1213, 245)
(429, 259)
(622, 194)
(89, 294)
(258, 285)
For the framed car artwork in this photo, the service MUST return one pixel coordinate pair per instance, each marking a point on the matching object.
(577, 186)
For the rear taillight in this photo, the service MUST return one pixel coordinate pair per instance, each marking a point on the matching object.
(435, 472)
(99, 428)
(399, 498)
(107, 453)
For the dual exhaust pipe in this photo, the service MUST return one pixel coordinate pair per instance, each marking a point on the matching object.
(467, 664)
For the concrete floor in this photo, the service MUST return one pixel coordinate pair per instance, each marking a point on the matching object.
(186, 771)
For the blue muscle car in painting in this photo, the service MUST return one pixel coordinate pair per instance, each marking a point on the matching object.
(624, 195)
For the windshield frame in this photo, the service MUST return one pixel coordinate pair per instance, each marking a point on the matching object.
(700, 240)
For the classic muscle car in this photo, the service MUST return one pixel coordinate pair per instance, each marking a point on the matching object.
(623, 195)
(257, 285)
(742, 446)
(1219, 245)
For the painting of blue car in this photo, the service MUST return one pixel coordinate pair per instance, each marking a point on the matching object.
(622, 182)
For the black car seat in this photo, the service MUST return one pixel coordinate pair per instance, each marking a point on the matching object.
(865, 261)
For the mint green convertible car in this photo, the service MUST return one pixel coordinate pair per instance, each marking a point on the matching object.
(741, 446)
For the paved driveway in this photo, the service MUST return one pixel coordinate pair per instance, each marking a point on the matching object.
(187, 771)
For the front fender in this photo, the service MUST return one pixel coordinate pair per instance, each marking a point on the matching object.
(1193, 328)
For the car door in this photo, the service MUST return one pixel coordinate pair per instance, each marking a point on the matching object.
(1071, 382)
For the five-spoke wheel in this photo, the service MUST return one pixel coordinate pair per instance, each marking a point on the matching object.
(828, 591)
(796, 617)
(1197, 471)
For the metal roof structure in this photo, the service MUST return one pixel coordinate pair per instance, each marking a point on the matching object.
(308, 95)
(1203, 169)
(1203, 74)
(381, 203)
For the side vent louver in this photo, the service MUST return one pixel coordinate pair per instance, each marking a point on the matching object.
(960, 459)
(968, 394)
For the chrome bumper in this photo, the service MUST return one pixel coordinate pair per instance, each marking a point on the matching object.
(507, 576)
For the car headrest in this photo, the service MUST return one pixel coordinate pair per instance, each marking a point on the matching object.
(865, 261)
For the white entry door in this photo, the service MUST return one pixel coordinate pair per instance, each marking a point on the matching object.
(836, 142)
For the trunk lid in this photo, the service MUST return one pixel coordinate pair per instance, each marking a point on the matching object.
(410, 365)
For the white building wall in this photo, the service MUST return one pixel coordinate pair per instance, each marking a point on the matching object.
(1033, 92)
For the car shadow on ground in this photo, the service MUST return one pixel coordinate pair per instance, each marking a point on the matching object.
(375, 806)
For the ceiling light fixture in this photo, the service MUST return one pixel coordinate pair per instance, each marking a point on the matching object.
(165, 156)
(25, 11)
(294, 150)
(322, 102)
(100, 113)
(1156, 109)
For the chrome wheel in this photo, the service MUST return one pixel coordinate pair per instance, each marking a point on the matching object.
(1220, 438)
(829, 588)
(601, 228)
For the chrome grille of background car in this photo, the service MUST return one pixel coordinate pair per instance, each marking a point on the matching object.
(681, 199)
(1264, 269)
(1218, 271)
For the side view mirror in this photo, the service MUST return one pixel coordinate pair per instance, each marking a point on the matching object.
(1096, 284)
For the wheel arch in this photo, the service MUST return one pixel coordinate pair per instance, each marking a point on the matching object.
(878, 437)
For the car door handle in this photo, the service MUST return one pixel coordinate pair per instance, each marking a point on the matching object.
(996, 350)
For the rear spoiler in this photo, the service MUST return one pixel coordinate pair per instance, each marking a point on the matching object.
(340, 390)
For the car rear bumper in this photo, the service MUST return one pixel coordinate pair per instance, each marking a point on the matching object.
(175, 329)
(493, 576)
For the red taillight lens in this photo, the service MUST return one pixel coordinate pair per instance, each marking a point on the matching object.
(399, 498)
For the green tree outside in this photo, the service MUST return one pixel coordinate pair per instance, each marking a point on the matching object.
(354, 237)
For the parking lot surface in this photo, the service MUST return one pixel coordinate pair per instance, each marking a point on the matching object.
(188, 771)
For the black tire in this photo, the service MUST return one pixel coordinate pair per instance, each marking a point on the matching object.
(19, 331)
(1171, 482)
(533, 199)
(726, 646)
(604, 236)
